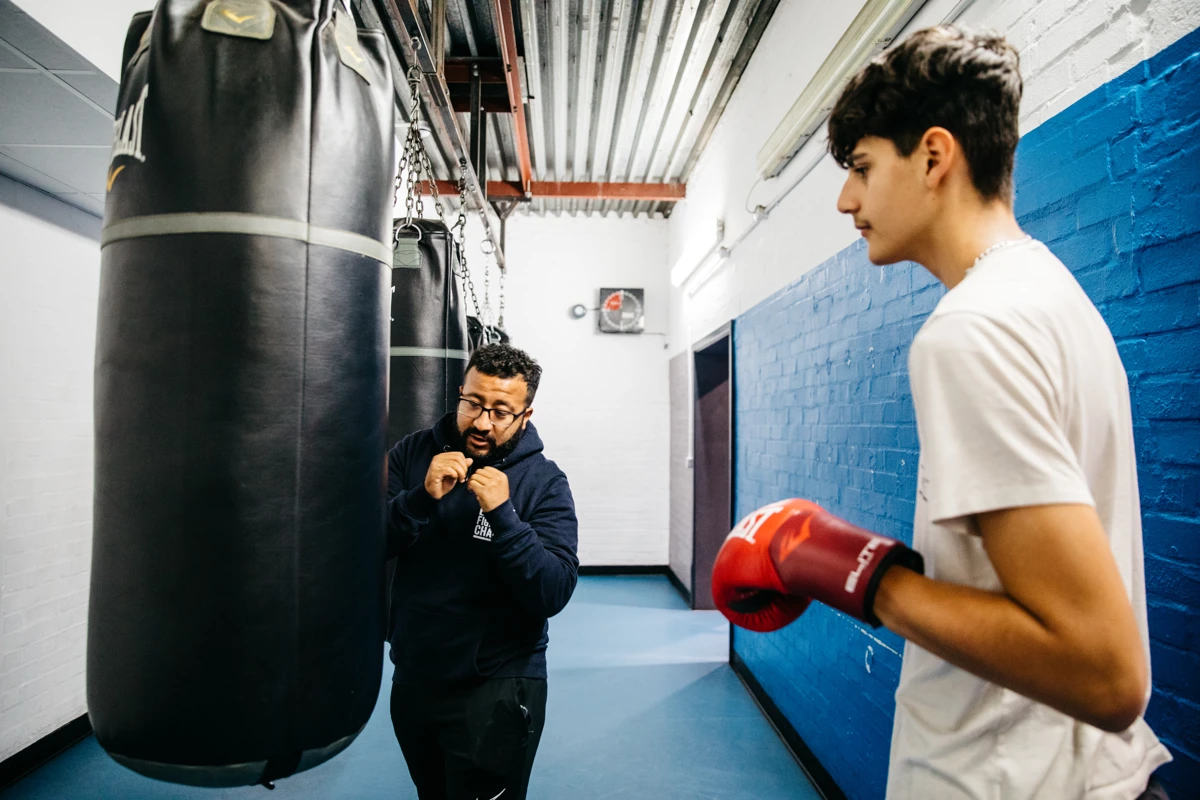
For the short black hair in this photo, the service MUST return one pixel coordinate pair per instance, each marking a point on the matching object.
(506, 361)
(968, 83)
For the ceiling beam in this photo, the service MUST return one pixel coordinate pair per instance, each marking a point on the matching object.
(611, 191)
(478, 125)
(458, 70)
(492, 105)
(501, 190)
(402, 22)
(437, 33)
(506, 31)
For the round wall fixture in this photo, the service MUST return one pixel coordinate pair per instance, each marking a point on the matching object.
(622, 311)
(579, 311)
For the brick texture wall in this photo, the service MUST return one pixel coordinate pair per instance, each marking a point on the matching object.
(48, 294)
(1112, 184)
(603, 408)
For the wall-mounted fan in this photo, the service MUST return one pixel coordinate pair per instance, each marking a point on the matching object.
(622, 311)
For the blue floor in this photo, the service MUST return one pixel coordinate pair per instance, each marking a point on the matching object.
(642, 705)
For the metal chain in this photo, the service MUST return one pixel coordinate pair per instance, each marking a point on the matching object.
(414, 161)
(489, 252)
(460, 237)
(403, 172)
(500, 322)
(487, 286)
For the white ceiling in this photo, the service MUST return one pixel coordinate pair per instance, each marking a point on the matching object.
(56, 113)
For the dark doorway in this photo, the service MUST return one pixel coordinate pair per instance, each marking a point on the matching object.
(712, 477)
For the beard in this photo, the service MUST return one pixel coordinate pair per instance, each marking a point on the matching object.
(495, 453)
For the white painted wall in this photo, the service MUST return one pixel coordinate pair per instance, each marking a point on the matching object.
(603, 408)
(682, 489)
(1068, 48)
(49, 282)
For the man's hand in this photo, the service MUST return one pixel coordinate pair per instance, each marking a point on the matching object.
(490, 487)
(445, 472)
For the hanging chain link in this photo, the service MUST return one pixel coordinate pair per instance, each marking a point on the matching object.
(414, 161)
(460, 237)
(487, 284)
(500, 321)
(403, 172)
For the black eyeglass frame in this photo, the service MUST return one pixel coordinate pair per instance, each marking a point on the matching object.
(481, 409)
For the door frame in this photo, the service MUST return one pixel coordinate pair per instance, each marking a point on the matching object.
(708, 342)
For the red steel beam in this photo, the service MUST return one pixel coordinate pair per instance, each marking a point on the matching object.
(500, 190)
(611, 191)
(508, 52)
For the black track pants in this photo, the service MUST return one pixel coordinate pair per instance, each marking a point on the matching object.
(472, 742)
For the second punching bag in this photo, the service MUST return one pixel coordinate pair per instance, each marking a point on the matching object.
(429, 338)
(235, 621)
(479, 334)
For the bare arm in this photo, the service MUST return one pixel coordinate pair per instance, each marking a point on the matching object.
(1062, 632)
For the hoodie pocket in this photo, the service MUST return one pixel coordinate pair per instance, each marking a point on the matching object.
(436, 644)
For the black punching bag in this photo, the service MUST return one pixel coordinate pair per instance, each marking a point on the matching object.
(479, 334)
(429, 338)
(235, 625)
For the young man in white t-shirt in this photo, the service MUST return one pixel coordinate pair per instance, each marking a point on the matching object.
(1026, 668)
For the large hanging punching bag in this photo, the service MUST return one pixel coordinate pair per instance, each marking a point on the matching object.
(235, 625)
(429, 339)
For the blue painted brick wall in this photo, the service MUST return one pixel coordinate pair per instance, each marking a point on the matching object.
(1112, 185)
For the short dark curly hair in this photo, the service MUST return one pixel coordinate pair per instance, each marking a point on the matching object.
(968, 83)
(506, 361)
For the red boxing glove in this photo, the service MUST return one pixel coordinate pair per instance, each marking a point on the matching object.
(787, 553)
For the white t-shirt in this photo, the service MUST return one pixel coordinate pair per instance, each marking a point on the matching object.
(1021, 399)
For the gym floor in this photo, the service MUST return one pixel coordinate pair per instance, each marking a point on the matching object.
(643, 704)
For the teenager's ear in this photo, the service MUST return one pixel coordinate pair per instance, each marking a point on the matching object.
(939, 153)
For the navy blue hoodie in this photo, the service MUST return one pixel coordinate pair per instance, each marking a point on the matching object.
(472, 591)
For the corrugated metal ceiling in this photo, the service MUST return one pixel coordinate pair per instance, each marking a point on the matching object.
(618, 90)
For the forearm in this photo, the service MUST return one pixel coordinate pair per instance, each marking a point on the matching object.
(992, 636)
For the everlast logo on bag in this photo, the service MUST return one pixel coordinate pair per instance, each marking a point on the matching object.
(127, 134)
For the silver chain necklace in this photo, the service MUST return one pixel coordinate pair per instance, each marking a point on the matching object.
(1001, 245)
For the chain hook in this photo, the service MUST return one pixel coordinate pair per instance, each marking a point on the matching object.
(414, 161)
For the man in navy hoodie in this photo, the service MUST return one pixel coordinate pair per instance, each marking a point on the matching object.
(484, 532)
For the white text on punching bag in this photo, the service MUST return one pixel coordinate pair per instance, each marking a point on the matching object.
(127, 130)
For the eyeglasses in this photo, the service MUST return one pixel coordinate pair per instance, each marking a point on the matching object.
(499, 416)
